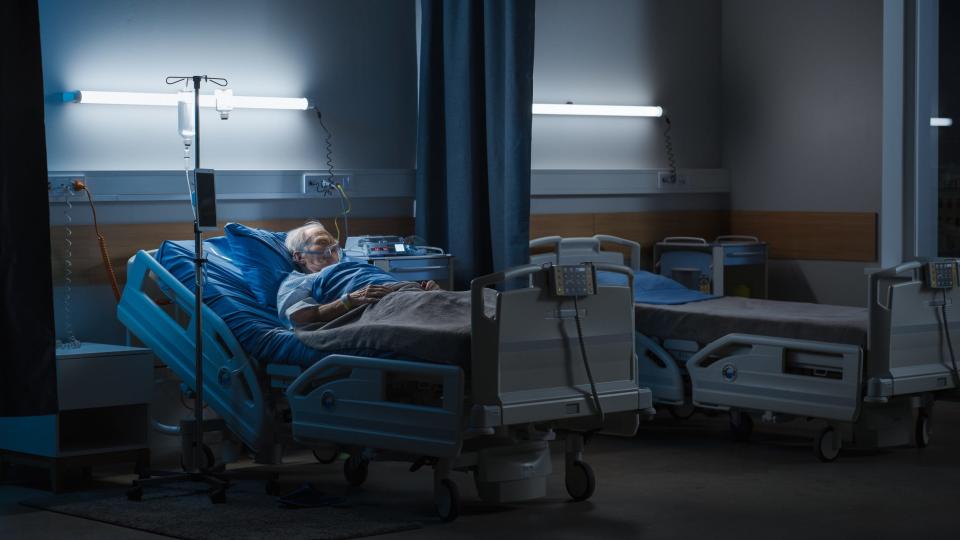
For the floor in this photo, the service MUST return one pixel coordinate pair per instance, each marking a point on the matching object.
(675, 479)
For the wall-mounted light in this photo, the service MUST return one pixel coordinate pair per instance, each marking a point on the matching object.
(596, 110)
(170, 100)
(941, 122)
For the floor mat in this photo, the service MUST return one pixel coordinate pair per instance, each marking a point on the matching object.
(182, 511)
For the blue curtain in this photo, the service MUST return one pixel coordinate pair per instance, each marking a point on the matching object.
(28, 383)
(473, 133)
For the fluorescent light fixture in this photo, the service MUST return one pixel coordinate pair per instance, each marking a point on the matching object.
(596, 110)
(170, 99)
(941, 122)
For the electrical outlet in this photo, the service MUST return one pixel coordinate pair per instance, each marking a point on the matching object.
(323, 185)
(666, 180)
(56, 185)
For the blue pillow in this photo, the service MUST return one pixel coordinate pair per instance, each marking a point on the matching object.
(649, 288)
(263, 259)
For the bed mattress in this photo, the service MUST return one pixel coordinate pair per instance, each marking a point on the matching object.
(709, 320)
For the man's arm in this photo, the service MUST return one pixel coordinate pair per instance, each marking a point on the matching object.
(313, 313)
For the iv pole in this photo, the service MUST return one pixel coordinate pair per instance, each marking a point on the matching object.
(199, 473)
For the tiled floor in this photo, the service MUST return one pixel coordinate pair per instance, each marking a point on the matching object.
(676, 479)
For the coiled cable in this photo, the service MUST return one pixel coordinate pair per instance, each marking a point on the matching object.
(668, 143)
(71, 341)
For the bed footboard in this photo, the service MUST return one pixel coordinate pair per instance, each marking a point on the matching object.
(803, 378)
(527, 363)
(405, 406)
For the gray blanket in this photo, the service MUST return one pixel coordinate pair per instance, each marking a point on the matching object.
(706, 321)
(433, 326)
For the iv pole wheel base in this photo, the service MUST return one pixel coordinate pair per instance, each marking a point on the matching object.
(580, 481)
(218, 495)
(447, 498)
(135, 494)
(827, 445)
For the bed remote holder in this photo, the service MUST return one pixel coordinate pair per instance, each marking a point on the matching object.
(940, 274)
(573, 279)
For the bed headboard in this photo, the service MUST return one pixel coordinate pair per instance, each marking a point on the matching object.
(583, 249)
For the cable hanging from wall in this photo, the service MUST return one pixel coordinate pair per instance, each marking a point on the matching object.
(70, 341)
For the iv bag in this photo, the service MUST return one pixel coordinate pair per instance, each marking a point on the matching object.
(185, 110)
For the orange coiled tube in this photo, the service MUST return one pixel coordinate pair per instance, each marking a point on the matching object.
(103, 246)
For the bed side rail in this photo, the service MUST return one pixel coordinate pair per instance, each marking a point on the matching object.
(790, 376)
(347, 399)
(230, 381)
(657, 370)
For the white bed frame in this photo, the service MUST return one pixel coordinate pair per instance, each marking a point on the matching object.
(528, 387)
(875, 398)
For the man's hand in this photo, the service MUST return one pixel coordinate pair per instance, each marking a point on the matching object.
(429, 285)
(370, 294)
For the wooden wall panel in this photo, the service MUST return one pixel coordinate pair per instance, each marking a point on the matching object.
(831, 236)
(123, 240)
(561, 225)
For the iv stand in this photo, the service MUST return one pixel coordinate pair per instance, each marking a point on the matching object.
(199, 473)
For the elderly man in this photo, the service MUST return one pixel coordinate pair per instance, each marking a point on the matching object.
(323, 286)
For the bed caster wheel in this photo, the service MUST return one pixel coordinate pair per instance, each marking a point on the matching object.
(218, 495)
(447, 497)
(580, 481)
(682, 412)
(741, 426)
(355, 470)
(326, 454)
(827, 445)
(208, 459)
(135, 494)
(922, 431)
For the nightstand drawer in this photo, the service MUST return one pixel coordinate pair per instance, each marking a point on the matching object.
(85, 382)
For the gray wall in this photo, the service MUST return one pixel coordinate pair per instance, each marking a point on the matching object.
(356, 60)
(627, 52)
(802, 122)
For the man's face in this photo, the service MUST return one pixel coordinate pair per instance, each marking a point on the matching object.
(319, 253)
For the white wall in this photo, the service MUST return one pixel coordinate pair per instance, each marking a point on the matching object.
(355, 60)
(802, 122)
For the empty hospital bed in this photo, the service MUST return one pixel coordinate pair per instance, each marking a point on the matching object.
(524, 386)
(872, 374)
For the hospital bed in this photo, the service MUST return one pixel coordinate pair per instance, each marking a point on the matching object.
(871, 374)
(524, 385)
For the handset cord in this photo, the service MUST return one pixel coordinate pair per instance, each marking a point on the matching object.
(586, 365)
(946, 332)
(328, 144)
(668, 142)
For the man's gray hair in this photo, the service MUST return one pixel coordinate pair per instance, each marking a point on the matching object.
(297, 238)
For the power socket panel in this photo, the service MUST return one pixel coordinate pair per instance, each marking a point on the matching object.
(666, 181)
(323, 185)
(56, 185)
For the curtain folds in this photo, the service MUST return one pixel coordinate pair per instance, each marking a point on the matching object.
(474, 129)
(28, 384)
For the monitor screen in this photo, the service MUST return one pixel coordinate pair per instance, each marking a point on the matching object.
(206, 200)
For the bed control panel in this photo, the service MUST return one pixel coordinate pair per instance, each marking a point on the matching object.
(573, 279)
(941, 274)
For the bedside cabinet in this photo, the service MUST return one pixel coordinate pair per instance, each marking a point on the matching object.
(103, 394)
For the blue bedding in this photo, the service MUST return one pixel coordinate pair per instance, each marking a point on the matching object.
(256, 327)
(649, 288)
